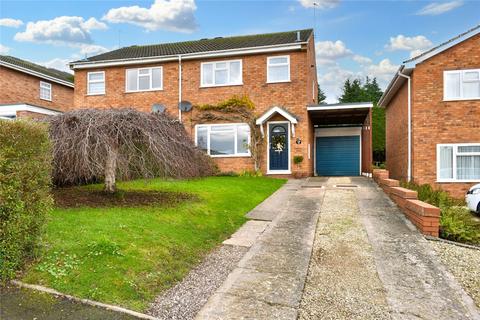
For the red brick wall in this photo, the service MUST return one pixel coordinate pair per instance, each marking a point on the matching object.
(396, 143)
(293, 96)
(19, 87)
(436, 121)
(30, 115)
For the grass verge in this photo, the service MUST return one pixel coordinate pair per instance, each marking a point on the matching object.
(128, 255)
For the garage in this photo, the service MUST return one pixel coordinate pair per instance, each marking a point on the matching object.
(338, 151)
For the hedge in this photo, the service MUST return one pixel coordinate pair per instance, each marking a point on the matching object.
(25, 200)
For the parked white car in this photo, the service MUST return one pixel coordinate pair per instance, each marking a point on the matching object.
(473, 198)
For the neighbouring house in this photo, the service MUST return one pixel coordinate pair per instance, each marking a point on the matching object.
(276, 71)
(30, 90)
(433, 116)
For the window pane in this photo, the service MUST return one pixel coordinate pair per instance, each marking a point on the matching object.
(446, 163)
(469, 148)
(144, 83)
(95, 76)
(202, 138)
(471, 89)
(144, 72)
(278, 60)
(222, 143)
(242, 139)
(96, 87)
(468, 167)
(221, 65)
(452, 89)
(471, 75)
(221, 76)
(223, 128)
(132, 80)
(235, 72)
(207, 74)
(156, 78)
(277, 73)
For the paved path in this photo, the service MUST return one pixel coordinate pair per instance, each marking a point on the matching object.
(269, 281)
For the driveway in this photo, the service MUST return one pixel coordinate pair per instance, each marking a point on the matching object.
(335, 248)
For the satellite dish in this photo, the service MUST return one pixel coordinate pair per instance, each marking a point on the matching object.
(185, 106)
(158, 108)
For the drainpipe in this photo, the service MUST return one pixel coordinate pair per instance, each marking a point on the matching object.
(179, 87)
(409, 162)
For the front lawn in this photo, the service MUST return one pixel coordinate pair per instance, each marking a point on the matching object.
(127, 255)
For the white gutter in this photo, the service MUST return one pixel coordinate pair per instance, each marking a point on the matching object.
(189, 56)
(179, 87)
(11, 110)
(409, 161)
(36, 74)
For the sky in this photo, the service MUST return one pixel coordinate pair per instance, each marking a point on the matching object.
(354, 39)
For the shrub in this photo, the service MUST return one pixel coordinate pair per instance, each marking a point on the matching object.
(25, 170)
(250, 173)
(297, 160)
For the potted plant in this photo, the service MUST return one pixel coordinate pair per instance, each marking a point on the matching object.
(297, 160)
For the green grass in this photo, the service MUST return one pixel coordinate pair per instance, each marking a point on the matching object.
(127, 256)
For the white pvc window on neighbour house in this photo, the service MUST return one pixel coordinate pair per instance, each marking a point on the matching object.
(96, 83)
(45, 91)
(461, 84)
(458, 162)
(144, 79)
(223, 140)
(221, 73)
(278, 69)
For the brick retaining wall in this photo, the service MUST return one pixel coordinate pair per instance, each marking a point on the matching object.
(423, 215)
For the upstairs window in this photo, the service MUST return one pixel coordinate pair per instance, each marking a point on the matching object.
(144, 79)
(223, 140)
(45, 91)
(96, 83)
(461, 84)
(458, 162)
(278, 69)
(221, 73)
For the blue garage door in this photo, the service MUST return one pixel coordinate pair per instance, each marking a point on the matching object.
(338, 156)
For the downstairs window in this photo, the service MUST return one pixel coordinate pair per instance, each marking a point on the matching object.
(458, 162)
(223, 140)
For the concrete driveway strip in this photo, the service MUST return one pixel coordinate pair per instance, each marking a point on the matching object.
(418, 286)
(268, 282)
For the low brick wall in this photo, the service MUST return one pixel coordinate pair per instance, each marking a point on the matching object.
(423, 215)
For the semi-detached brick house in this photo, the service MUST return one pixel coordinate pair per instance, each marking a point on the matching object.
(441, 88)
(30, 90)
(276, 71)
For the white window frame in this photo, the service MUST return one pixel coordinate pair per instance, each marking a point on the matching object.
(214, 63)
(278, 64)
(96, 81)
(150, 69)
(235, 125)
(46, 86)
(454, 160)
(461, 73)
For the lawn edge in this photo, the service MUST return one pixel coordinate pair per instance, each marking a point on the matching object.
(110, 307)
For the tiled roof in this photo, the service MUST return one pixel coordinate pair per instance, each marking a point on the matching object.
(54, 73)
(204, 45)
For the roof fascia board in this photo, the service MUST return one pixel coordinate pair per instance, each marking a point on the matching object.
(36, 74)
(6, 110)
(188, 56)
(387, 92)
(274, 110)
(340, 107)
(411, 63)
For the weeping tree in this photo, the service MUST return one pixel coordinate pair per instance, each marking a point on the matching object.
(111, 144)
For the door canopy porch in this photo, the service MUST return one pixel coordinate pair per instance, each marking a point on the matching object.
(340, 114)
(273, 111)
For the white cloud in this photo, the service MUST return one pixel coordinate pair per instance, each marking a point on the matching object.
(65, 30)
(383, 71)
(361, 59)
(415, 45)
(4, 49)
(172, 15)
(92, 50)
(57, 63)
(332, 50)
(437, 8)
(321, 4)
(12, 23)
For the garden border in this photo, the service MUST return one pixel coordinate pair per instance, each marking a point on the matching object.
(464, 245)
(84, 301)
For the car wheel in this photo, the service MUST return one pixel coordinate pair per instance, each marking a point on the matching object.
(478, 208)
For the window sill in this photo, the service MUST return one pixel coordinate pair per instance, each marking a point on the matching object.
(231, 156)
(284, 81)
(221, 85)
(461, 99)
(95, 94)
(50, 100)
(138, 91)
(457, 181)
